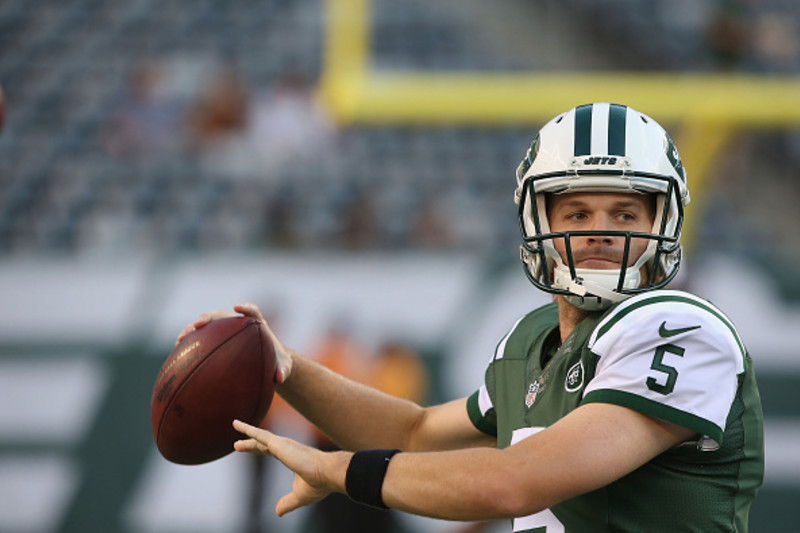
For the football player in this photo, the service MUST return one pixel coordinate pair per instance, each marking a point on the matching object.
(620, 406)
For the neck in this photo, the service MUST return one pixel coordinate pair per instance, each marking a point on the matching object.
(568, 316)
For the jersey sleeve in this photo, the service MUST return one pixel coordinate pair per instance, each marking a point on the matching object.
(481, 411)
(669, 355)
(480, 406)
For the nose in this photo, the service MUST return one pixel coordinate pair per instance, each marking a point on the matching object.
(600, 222)
(605, 240)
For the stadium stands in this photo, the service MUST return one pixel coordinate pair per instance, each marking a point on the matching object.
(93, 161)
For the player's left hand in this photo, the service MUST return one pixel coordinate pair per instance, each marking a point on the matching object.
(316, 473)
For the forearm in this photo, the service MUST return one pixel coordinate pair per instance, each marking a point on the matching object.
(353, 415)
(466, 485)
(453, 485)
(471, 484)
(588, 449)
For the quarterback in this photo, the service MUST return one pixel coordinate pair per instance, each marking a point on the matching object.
(621, 406)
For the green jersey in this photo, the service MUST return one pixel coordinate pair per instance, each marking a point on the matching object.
(667, 354)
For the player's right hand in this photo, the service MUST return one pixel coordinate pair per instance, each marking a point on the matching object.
(316, 473)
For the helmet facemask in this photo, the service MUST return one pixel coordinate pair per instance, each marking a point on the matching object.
(594, 289)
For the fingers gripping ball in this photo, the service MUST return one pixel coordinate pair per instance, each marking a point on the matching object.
(218, 373)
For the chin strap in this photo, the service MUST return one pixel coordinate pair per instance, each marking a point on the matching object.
(589, 294)
(589, 291)
(584, 287)
(598, 297)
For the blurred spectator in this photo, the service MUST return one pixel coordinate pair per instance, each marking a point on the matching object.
(219, 114)
(287, 126)
(280, 219)
(216, 124)
(270, 137)
(398, 370)
(358, 222)
(430, 227)
(728, 35)
(776, 44)
(147, 118)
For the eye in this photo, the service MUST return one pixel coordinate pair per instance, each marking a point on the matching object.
(576, 215)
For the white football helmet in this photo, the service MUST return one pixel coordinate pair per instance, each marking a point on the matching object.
(601, 147)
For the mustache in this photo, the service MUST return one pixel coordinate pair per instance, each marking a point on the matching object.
(598, 252)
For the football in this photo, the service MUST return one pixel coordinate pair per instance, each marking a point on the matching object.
(220, 372)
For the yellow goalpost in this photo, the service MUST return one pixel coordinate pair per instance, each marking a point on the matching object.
(704, 110)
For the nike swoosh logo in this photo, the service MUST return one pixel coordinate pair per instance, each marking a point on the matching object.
(664, 332)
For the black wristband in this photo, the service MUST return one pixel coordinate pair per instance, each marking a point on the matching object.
(365, 474)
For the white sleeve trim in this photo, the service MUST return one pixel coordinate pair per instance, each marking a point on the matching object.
(501, 347)
(484, 401)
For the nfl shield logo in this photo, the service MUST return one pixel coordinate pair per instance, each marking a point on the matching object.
(533, 390)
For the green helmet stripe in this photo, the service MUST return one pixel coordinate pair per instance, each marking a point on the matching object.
(675, 159)
(583, 129)
(616, 129)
